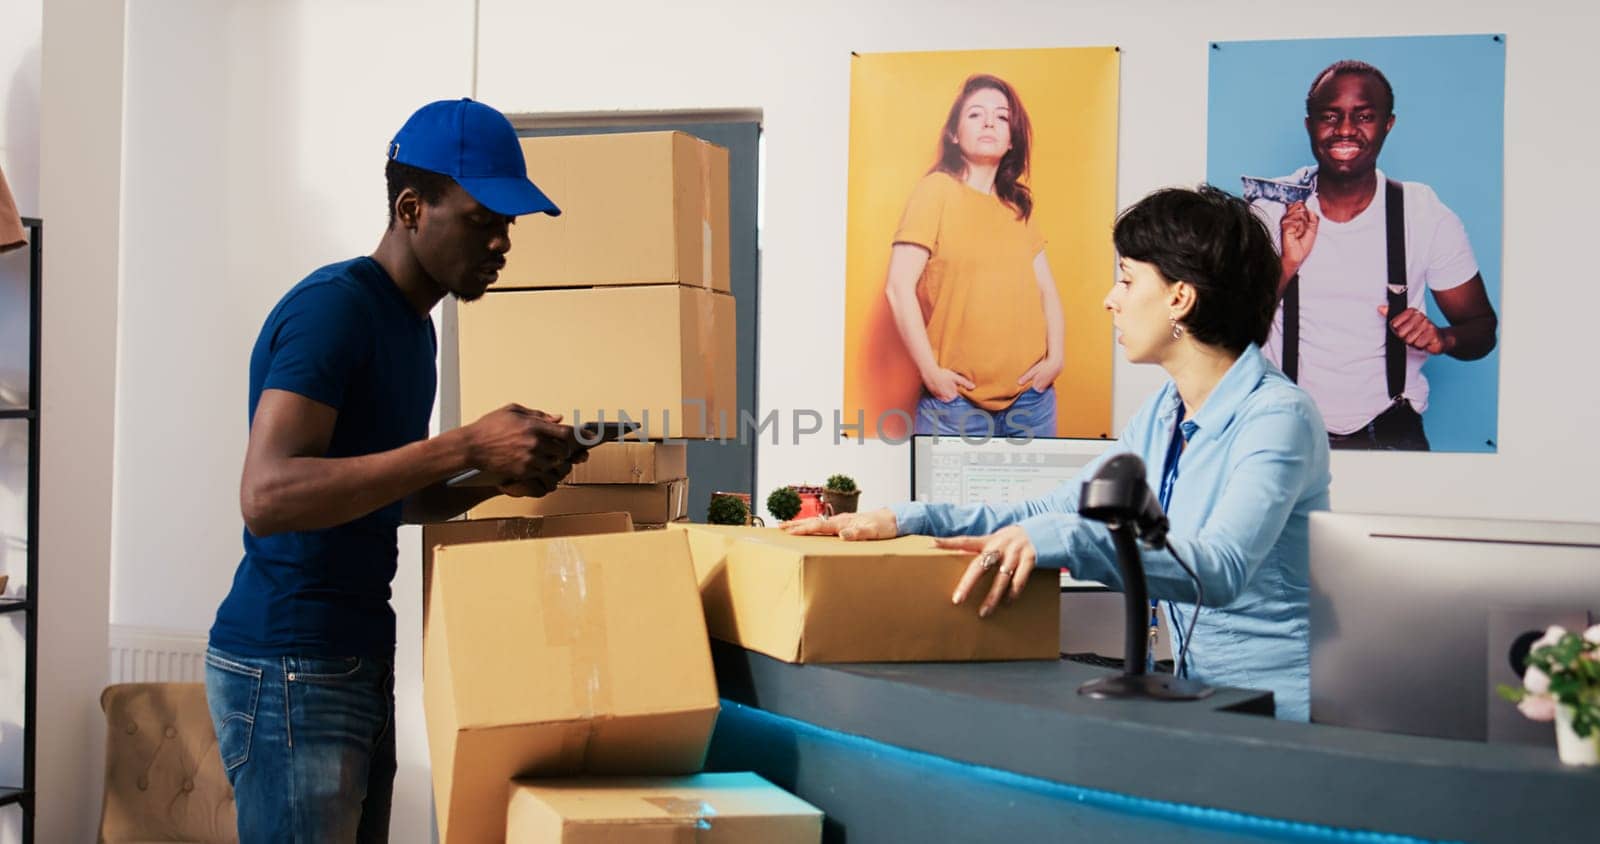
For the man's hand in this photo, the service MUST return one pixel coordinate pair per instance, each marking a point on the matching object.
(1297, 232)
(542, 483)
(521, 443)
(1419, 332)
(946, 384)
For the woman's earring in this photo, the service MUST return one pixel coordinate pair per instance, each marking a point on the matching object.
(1177, 329)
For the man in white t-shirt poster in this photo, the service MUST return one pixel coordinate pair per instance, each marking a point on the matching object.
(1361, 251)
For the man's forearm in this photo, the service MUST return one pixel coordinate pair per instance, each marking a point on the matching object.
(1284, 278)
(1471, 339)
(441, 503)
(313, 493)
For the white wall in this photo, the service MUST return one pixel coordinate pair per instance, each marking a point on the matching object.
(80, 176)
(254, 137)
(19, 160)
(255, 144)
(794, 64)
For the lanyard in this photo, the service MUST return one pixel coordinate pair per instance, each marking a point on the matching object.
(1169, 478)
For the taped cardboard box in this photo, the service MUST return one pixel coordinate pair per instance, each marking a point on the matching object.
(646, 504)
(466, 531)
(821, 599)
(632, 463)
(664, 356)
(636, 208)
(703, 809)
(561, 657)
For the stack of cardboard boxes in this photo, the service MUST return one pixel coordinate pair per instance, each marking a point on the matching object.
(617, 309)
(569, 692)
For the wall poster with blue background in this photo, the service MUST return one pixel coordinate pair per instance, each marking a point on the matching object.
(1311, 131)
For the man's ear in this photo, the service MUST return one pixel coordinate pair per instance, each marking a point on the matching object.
(408, 208)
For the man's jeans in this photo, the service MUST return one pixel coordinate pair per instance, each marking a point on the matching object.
(308, 745)
(1032, 414)
(1397, 429)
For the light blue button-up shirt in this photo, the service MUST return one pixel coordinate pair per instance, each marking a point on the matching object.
(1254, 466)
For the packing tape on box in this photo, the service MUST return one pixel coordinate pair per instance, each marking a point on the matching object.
(694, 815)
(707, 234)
(575, 618)
(677, 499)
(706, 338)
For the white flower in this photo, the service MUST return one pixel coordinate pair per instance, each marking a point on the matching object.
(1550, 637)
(1592, 635)
(1536, 681)
(1538, 707)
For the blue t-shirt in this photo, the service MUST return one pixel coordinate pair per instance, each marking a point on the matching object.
(346, 337)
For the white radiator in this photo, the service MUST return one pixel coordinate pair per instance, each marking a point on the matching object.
(153, 655)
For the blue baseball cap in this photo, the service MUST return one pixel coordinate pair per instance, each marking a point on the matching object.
(475, 145)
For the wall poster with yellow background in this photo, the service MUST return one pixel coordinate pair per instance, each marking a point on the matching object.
(981, 198)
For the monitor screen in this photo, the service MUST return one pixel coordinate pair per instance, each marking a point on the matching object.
(953, 470)
(1414, 620)
(995, 471)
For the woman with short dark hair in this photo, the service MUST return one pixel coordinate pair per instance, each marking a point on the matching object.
(1236, 451)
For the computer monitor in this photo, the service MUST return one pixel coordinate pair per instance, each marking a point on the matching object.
(995, 470)
(1415, 620)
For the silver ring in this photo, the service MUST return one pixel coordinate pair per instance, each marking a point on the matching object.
(988, 559)
(1007, 572)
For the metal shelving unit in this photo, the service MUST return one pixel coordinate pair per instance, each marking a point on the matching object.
(24, 797)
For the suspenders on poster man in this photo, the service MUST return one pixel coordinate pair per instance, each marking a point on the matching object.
(1394, 349)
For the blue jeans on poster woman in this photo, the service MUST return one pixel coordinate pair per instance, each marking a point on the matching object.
(1032, 414)
(307, 743)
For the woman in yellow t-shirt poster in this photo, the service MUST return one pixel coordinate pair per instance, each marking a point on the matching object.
(968, 282)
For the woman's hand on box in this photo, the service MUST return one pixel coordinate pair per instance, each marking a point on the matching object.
(873, 524)
(1008, 552)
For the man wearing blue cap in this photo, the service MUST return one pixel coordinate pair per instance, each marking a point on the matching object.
(299, 672)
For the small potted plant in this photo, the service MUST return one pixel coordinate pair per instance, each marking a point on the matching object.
(727, 509)
(783, 503)
(1562, 684)
(841, 493)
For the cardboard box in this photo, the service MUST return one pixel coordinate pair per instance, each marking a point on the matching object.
(646, 504)
(564, 656)
(632, 463)
(636, 208)
(665, 356)
(467, 531)
(703, 809)
(821, 599)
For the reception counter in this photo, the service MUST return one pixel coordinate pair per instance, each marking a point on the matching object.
(1008, 751)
